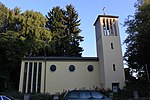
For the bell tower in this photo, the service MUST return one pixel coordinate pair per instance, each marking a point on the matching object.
(109, 52)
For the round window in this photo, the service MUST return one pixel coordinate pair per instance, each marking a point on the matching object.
(71, 68)
(52, 68)
(90, 68)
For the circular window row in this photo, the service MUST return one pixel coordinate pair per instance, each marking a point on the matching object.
(90, 68)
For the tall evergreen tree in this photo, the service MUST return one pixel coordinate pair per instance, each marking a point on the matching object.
(72, 39)
(56, 24)
(64, 25)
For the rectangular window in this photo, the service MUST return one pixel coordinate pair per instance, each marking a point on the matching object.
(112, 46)
(25, 76)
(39, 77)
(111, 28)
(104, 28)
(34, 76)
(29, 77)
(108, 29)
(114, 27)
(114, 67)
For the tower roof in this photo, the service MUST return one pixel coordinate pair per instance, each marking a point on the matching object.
(110, 16)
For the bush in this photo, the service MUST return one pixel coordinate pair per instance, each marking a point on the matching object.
(15, 94)
(39, 96)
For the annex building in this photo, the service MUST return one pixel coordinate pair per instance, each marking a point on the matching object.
(56, 74)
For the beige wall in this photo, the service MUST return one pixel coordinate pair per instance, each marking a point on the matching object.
(99, 44)
(108, 56)
(113, 56)
(62, 78)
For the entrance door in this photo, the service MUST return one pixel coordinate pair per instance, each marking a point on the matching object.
(115, 87)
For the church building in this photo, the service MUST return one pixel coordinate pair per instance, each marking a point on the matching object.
(56, 74)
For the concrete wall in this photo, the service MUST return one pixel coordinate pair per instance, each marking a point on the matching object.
(108, 56)
(63, 79)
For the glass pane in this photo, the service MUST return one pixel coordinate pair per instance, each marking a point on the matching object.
(97, 95)
(85, 94)
(4, 98)
(74, 95)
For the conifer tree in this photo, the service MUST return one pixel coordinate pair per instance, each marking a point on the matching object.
(56, 24)
(64, 25)
(73, 39)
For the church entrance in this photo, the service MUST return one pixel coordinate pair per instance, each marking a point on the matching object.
(115, 87)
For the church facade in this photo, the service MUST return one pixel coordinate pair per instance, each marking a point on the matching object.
(56, 74)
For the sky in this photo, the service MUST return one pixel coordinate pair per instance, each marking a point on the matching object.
(88, 10)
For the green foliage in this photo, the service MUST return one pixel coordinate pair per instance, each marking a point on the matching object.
(64, 26)
(20, 35)
(137, 53)
(9, 46)
(128, 92)
(147, 1)
(56, 24)
(31, 34)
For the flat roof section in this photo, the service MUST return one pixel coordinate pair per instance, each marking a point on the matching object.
(62, 58)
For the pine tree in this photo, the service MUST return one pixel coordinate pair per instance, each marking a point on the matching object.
(73, 39)
(65, 31)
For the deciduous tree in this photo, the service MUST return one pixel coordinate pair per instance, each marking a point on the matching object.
(138, 41)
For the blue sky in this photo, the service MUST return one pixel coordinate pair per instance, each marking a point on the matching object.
(88, 10)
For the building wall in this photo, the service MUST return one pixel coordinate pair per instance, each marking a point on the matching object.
(40, 75)
(47, 81)
(63, 79)
(109, 51)
(99, 44)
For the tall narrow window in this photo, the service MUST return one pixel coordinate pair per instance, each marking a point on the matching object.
(34, 76)
(114, 27)
(111, 27)
(114, 67)
(25, 76)
(29, 77)
(112, 46)
(39, 77)
(108, 30)
(104, 28)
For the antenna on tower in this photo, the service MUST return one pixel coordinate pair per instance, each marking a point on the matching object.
(104, 10)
